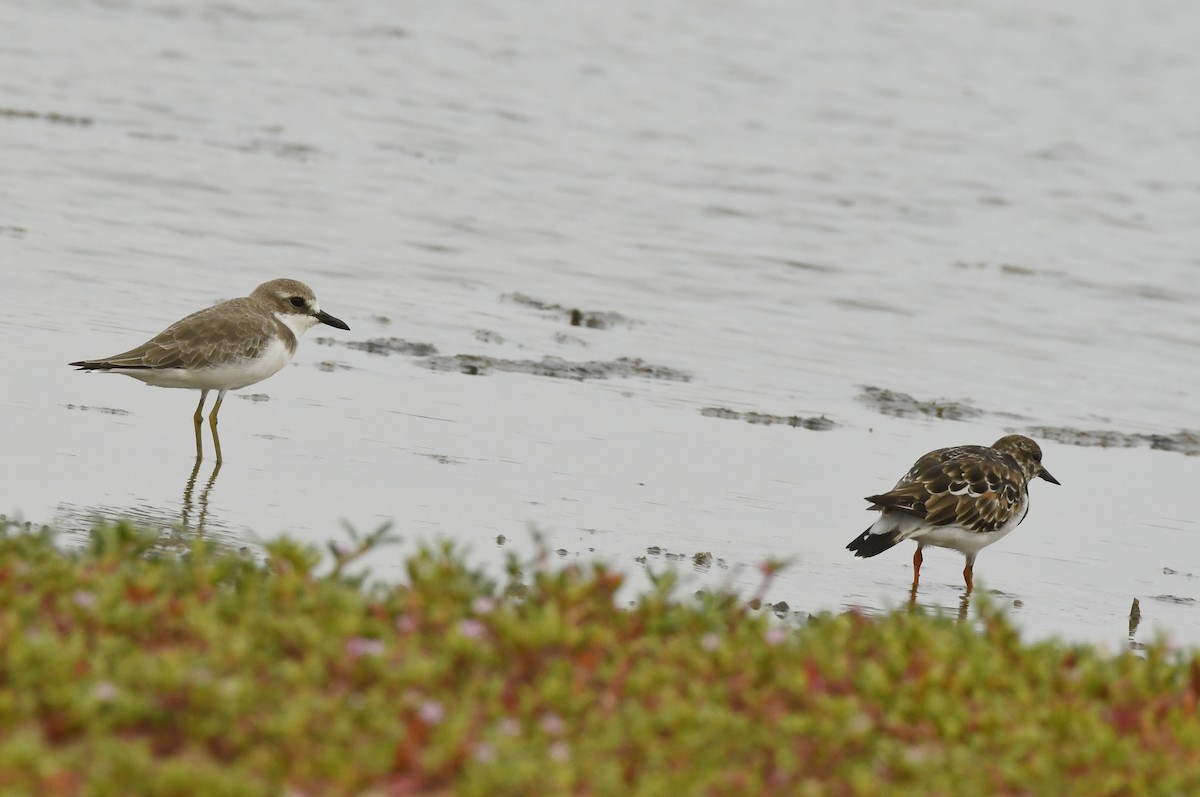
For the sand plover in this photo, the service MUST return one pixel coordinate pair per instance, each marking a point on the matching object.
(965, 498)
(224, 347)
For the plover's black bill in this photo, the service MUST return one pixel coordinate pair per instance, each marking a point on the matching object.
(326, 318)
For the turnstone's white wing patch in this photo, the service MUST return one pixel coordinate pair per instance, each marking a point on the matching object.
(973, 487)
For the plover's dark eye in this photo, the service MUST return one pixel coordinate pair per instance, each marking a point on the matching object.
(297, 301)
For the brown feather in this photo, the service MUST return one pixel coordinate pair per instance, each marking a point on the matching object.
(975, 487)
(192, 341)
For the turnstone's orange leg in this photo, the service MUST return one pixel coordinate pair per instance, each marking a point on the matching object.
(197, 418)
(918, 558)
(969, 575)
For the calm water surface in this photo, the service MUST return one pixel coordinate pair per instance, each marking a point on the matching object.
(787, 202)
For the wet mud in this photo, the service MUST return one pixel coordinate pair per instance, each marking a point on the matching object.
(701, 561)
(383, 346)
(481, 365)
(592, 319)
(902, 405)
(557, 367)
(52, 117)
(1178, 600)
(1183, 441)
(106, 410)
(817, 423)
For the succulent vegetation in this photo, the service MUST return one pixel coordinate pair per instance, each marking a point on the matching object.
(126, 670)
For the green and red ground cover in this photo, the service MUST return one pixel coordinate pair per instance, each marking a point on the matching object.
(125, 670)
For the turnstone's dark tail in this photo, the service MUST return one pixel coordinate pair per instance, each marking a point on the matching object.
(868, 544)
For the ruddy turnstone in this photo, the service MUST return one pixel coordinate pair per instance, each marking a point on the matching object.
(225, 347)
(965, 498)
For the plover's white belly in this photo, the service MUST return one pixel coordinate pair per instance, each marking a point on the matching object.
(229, 375)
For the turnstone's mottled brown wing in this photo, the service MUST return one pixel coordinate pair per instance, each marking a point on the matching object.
(969, 486)
(211, 335)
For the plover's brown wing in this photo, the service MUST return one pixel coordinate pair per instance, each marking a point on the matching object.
(216, 334)
(971, 486)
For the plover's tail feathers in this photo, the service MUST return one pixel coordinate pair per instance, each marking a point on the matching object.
(155, 354)
(103, 365)
(873, 544)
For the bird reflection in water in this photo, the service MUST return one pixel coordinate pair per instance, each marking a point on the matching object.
(189, 490)
(964, 603)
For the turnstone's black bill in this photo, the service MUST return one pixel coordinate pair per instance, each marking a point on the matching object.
(964, 498)
(225, 347)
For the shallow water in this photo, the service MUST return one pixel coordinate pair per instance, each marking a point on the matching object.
(787, 204)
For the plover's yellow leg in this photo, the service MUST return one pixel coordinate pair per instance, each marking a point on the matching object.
(212, 422)
(918, 557)
(197, 418)
(969, 574)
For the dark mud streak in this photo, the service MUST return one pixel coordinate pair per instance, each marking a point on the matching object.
(478, 365)
(902, 405)
(329, 366)
(106, 410)
(1175, 599)
(803, 265)
(446, 459)
(872, 306)
(620, 368)
(1183, 441)
(52, 117)
(383, 346)
(816, 423)
(592, 319)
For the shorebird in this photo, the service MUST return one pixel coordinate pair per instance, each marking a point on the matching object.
(965, 498)
(225, 347)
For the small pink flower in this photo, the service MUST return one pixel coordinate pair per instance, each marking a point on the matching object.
(483, 605)
(776, 635)
(553, 724)
(560, 751)
(358, 647)
(471, 629)
(710, 642)
(105, 691)
(484, 753)
(83, 599)
(431, 712)
(406, 624)
(509, 726)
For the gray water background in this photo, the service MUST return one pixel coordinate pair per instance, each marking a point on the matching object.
(995, 205)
